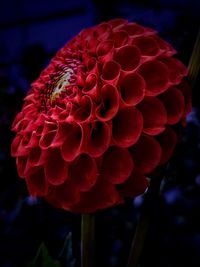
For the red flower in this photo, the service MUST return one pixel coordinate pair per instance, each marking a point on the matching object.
(100, 117)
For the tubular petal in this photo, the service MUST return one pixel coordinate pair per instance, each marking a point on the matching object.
(21, 166)
(109, 103)
(133, 29)
(55, 168)
(168, 141)
(115, 23)
(175, 68)
(111, 71)
(146, 154)
(63, 196)
(72, 144)
(127, 126)
(104, 48)
(173, 101)
(155, 75)
(84, 112)
(147, 45)
(47, 140)
(128, 57)
(83, 172)
(117, 165)
(36, 182)
(102, 194)
(132, 88)
(135, 185)
(154, 115)
(120, 38)
(99, 139)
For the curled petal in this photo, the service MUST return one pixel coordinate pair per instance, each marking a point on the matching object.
(92, 87)
(103, 195)
(102, 31)
(55, 168)
(166, 48)
(15, 145)
(173, 101)
(63, 196)
(104, 48)
(175, 68)
(22, 144)
(90, 83)
(120, 38)
(135, 185)
(185, 89)
(109, 103)
(117, 165)
(47, 139)
(154, 115)
(36, 157)
(168, 141)
(147, 45)
(111, 71)
(91, 45)
(99, 139)
(84, 112)
(128, 57)
(15, 125)
(36, 182)
(132, 88)
(83, 172)
(21, 166)
(146, 154)
(133, 29)
(155, 75)
(127, 126)
(115, 23)
(74, 142)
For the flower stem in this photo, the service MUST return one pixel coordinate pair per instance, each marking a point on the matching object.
(144, 219)
(87, 240)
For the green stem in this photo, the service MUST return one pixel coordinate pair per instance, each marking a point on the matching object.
(87, 240)
(144, 219)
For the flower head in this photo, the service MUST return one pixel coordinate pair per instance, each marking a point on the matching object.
(100, 117)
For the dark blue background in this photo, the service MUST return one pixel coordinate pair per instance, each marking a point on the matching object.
(30, 34)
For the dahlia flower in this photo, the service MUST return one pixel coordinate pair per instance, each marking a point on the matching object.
(100, 118)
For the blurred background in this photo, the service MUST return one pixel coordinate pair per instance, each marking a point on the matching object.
(30, 34)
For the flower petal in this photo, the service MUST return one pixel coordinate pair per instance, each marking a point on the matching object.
(127, 126)
(55, 168)
(154, 115)
(168, 141)
(109, 103)
(173, 101)
(117, 165)
(99, 139)
(128, 57)
(132, 88)
(155, 75)
(83, 172)
(101, 196)
(135, 185)
(36, 182)
(146, 154)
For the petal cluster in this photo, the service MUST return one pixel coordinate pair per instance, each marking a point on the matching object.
(101, 116)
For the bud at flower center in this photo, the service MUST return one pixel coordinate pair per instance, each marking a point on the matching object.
(63, 85)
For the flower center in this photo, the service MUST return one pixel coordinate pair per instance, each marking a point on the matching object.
(63, 85)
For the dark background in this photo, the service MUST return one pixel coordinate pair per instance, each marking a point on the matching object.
(31, 31)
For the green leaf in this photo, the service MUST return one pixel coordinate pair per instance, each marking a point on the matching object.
(43, 259)
(66, 254)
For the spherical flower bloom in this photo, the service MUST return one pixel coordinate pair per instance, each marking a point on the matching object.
(101, 117)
